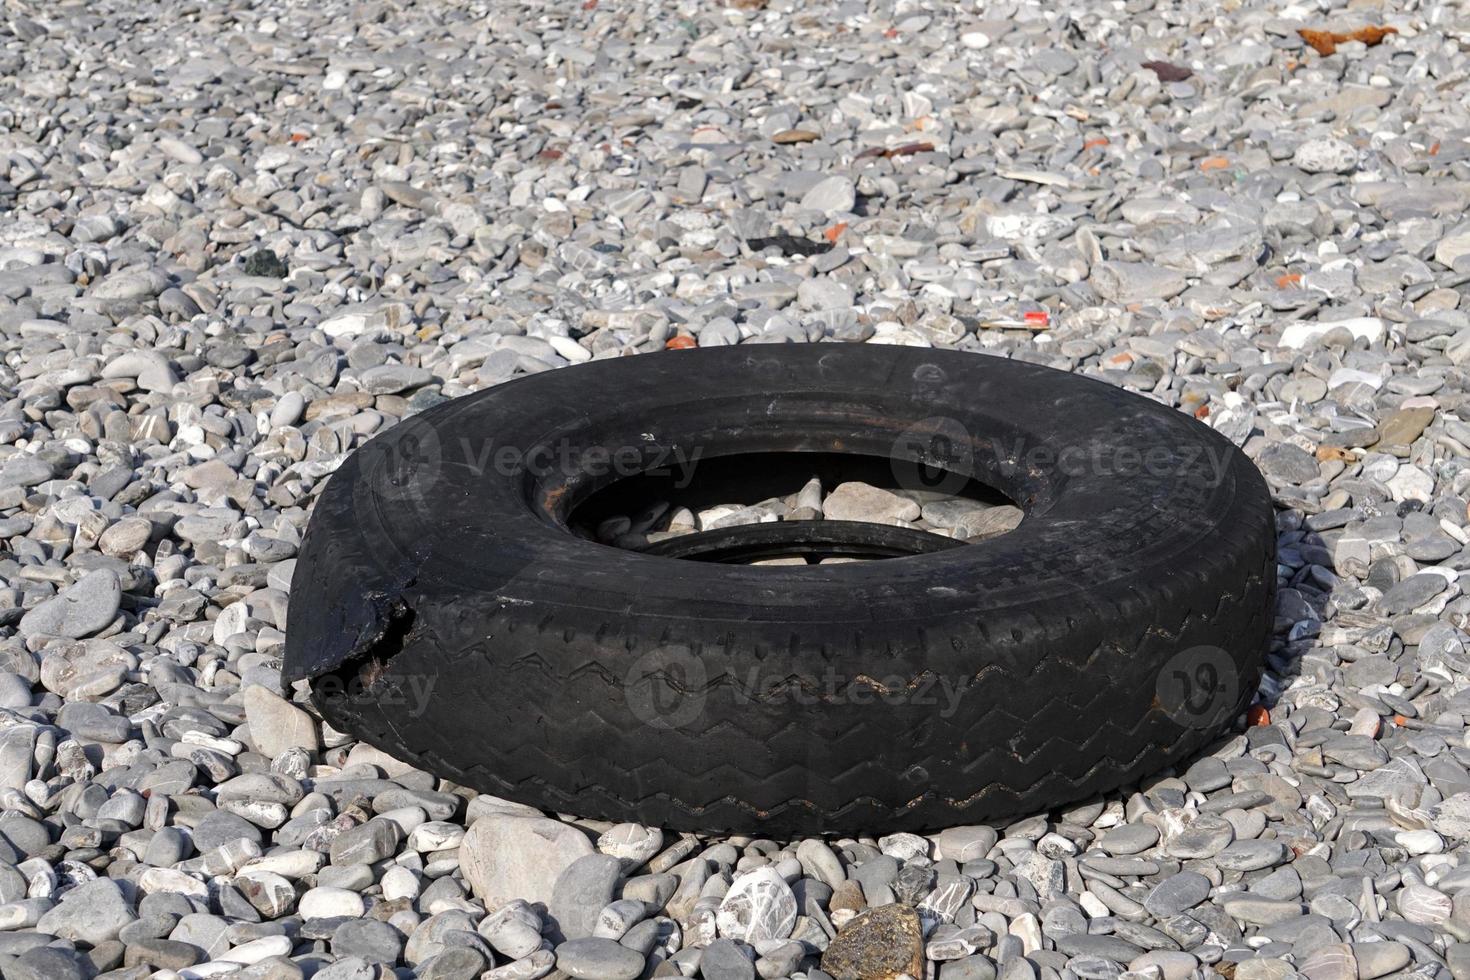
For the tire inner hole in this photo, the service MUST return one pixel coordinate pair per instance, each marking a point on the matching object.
(830, 508)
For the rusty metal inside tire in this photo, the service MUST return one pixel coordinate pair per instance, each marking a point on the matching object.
(444, 611)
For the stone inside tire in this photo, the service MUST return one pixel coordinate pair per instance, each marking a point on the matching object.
(444, 612)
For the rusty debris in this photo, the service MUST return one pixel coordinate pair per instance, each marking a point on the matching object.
(1326, 42)
(907, 149)
(1168, 72)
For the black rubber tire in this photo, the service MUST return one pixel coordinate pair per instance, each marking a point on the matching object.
(446, 615)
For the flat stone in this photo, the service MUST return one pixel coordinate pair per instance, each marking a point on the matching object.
(882, 943)
(368, 843)
(598, 959)
(1136, 282)
(93, 913)
(1380, 959)
(1131, 838)
(1177, 893)
(963, 844)
(1326, 155)
(725, 959)
(277, 725)
(80, 609)
(831, 196)
(861, 502)
(505, 857)
(580, 893)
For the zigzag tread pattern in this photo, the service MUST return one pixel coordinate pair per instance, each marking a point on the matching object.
(759, 777)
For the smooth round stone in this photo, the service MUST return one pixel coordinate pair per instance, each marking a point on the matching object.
(15, 691)
(374, 941)
(399, 883)
(163, 954)
(221, 827)
(1423, 905)
(1106, 947)
(581, 892)
(1326, 154)
(964, 844)
(1177, 893)
(1130, 838)
(1334, 961)
(330, 903)
(1094, 968)
(1251, 855)
(598, 959)
(1173, 965)
(78, 610)
(1380, 959)
(725, 959)
(453, 963)
(976, 967)
(1207, 775)
(1204, 838)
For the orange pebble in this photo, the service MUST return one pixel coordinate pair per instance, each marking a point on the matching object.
(1214, 163)
(1289, 279)
(1095, 141)
(835, 232)
(680, 342)
(1257, 715)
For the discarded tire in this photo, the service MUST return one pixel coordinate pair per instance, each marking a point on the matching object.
(445, 613)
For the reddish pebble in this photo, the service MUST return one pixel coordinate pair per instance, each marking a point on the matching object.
(680, 342)
(835, 232)
(1257, 716)
(1037, 318)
